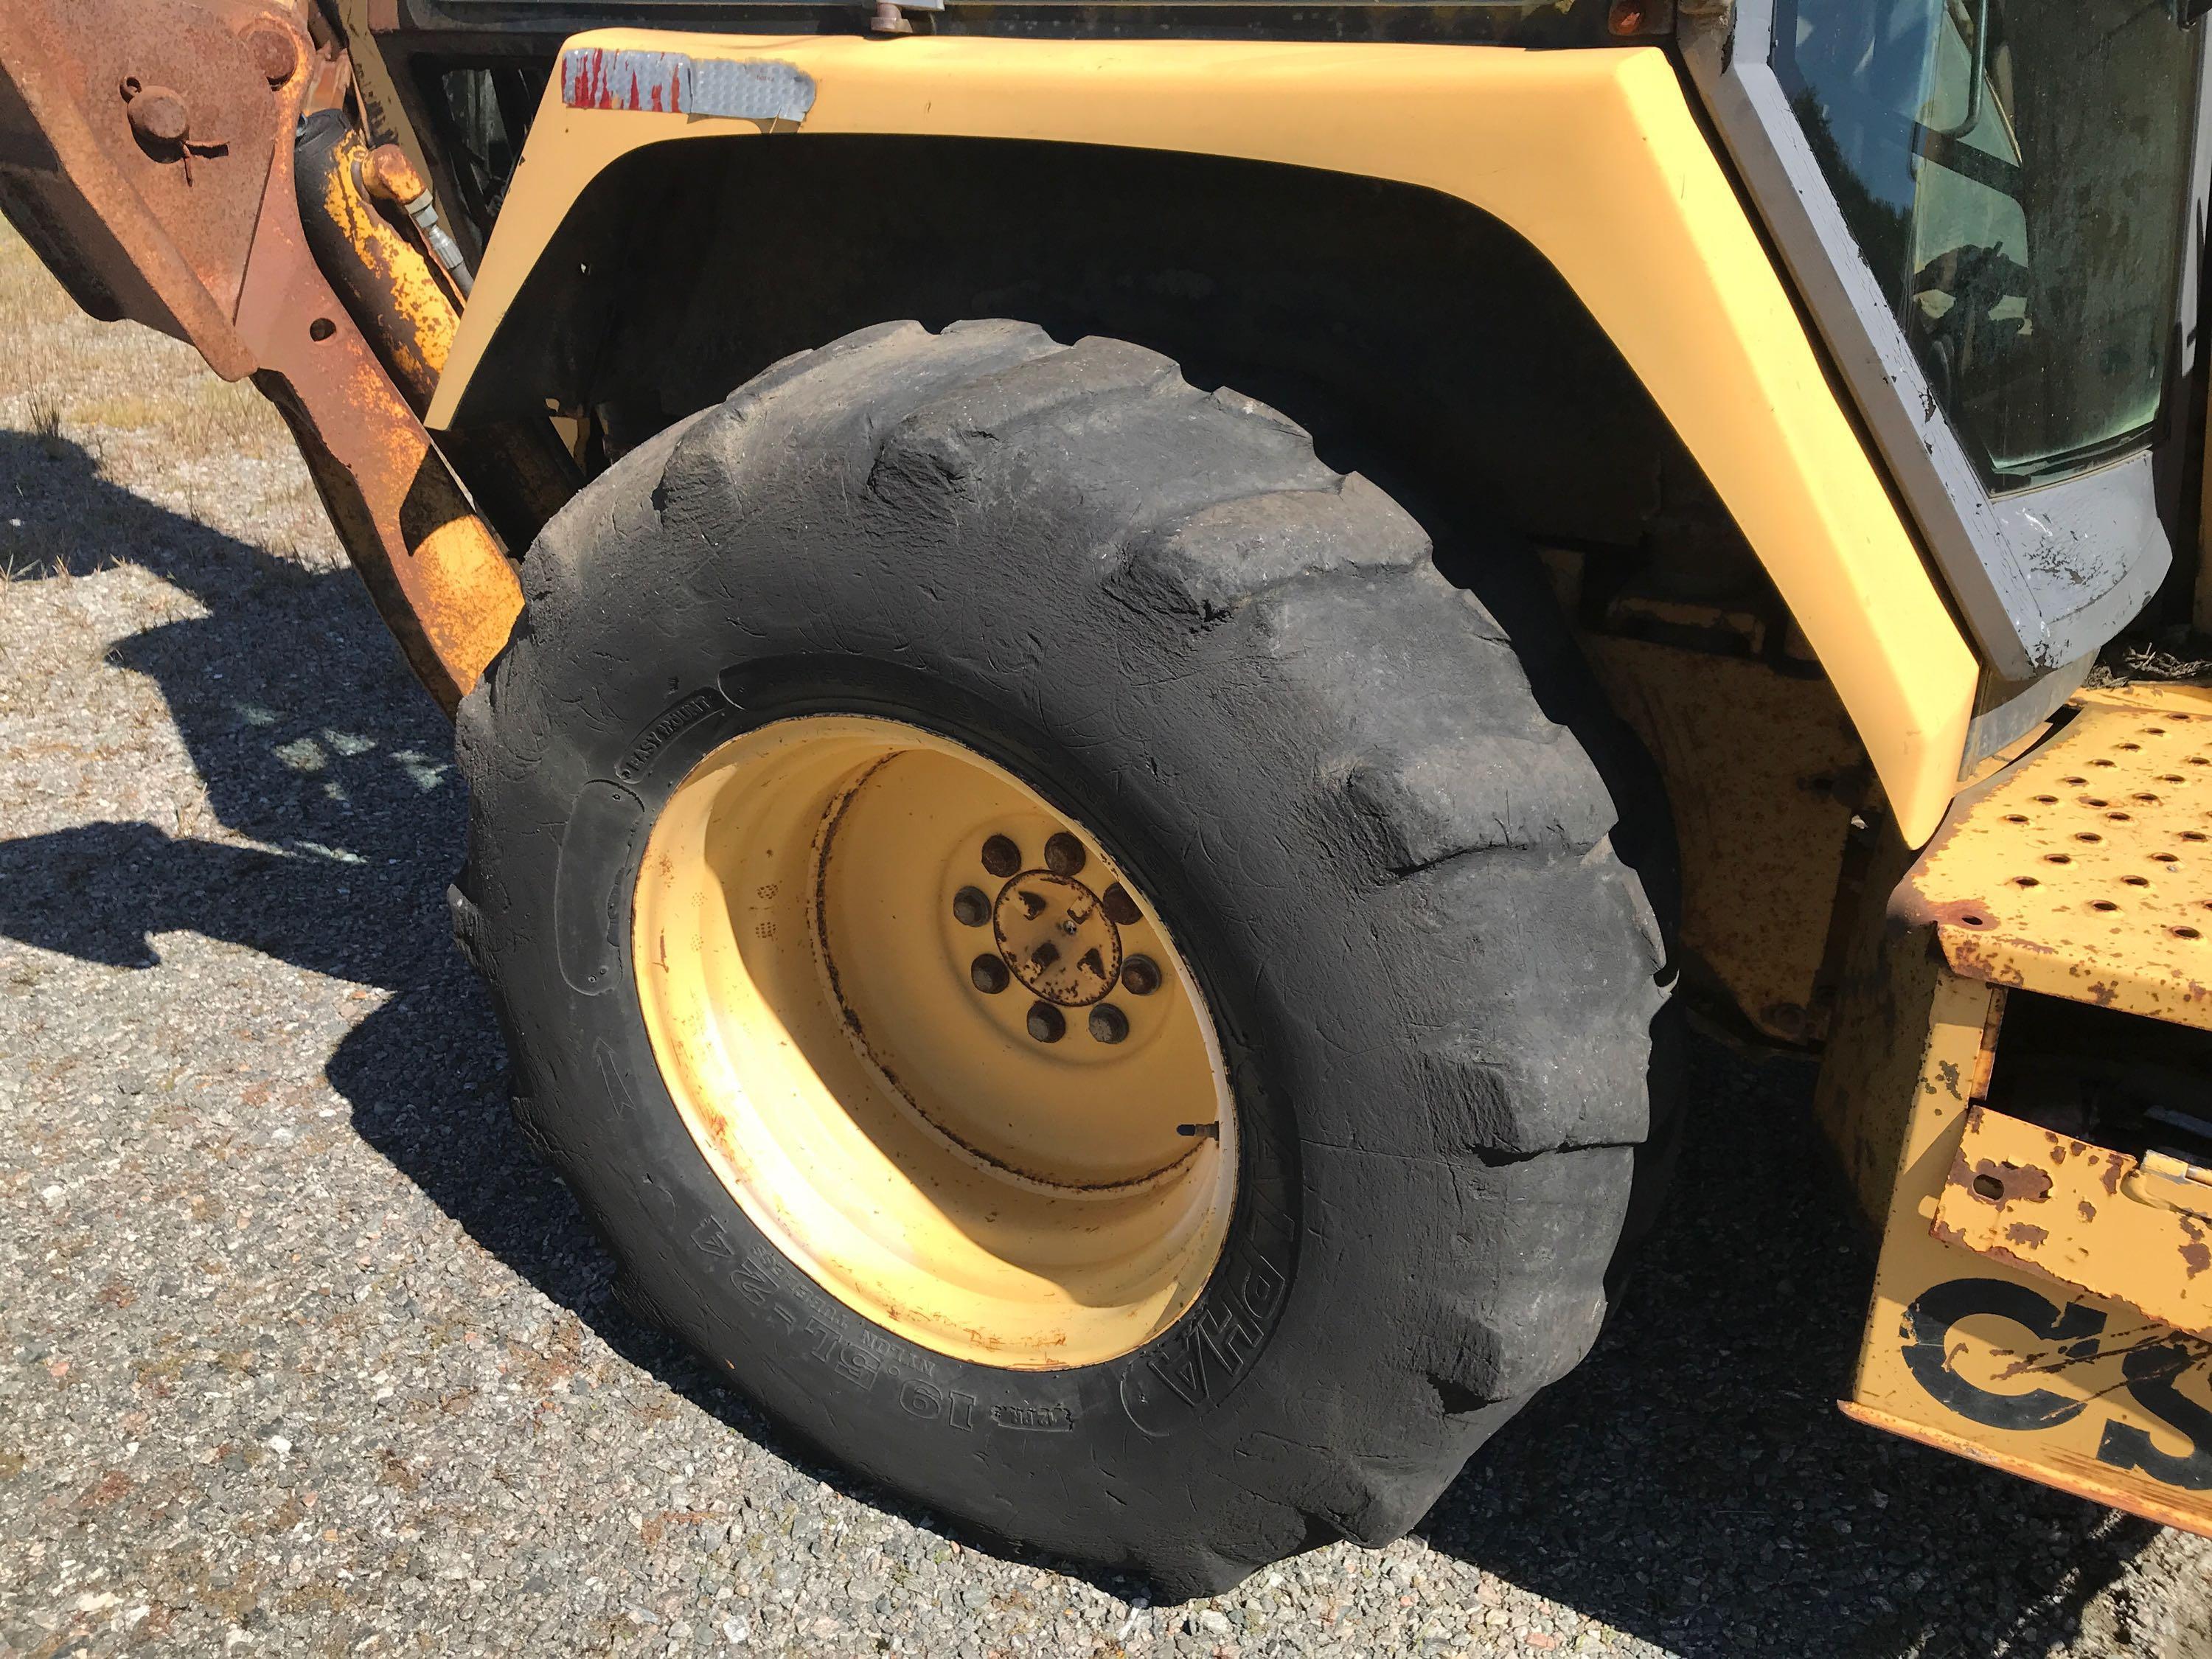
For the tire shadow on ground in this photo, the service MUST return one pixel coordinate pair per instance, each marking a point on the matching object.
(1692, 1484)
(317, 750)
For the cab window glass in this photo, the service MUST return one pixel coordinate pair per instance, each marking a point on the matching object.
(2015, 173)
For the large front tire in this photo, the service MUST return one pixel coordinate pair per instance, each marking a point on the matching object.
(1427, 983)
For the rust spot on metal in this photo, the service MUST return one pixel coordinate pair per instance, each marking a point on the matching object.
(274, 50)
(1971, 914)
(1994, 1183)
(192, 226)
(157, 132)
(1994, 1252)
(1121, 909)
(387, 174)
(2110, 1228)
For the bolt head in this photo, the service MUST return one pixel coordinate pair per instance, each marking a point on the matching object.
(1064, 855)
(1109, 1024)
(1001, 857)
(1121, 909)
(159, 116)
(1046, 1022)
(272, 52)
(1140, 976)
(971, 907)
(988, 974)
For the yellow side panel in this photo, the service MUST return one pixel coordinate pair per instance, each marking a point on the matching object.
(1998, 1362)
(2089, 1219)
(2042, 1303)
(1593, 156)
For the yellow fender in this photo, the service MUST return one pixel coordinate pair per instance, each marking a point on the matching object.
(1593, 156)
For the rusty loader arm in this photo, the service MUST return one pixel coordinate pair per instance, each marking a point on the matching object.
(147, 153)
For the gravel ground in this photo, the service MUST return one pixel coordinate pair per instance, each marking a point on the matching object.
(305, 1353)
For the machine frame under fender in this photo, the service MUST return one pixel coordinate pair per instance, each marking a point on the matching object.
(2043, 1303)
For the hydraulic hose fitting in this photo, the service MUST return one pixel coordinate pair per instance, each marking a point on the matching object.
(385, 173)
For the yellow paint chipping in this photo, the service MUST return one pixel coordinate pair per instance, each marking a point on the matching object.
(1761, 771)
(466, 597)
(2086, 1217)
(403, 275)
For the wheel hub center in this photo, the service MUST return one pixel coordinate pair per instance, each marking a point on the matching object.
(1055, 935)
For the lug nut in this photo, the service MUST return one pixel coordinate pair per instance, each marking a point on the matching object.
(1121, 909)
(988, 974)
(1064, 854)
(971, 907)
(1046, 1022)
(1000, 856)
(1109, 1024)
(1140, 976)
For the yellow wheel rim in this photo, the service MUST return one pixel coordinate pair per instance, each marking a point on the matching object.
(942, 1051)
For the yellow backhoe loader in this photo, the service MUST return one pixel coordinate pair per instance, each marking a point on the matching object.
(1122, 665)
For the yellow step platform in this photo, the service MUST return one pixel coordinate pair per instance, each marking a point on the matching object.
(2085, 873)
(2042, 1303)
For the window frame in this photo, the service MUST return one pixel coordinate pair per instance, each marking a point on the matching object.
(2044, 575)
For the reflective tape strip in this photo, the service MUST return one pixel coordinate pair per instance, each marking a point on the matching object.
(674, 82)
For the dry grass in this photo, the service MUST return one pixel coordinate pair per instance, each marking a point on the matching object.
(156, 420)
(29, 299)
(138, 491)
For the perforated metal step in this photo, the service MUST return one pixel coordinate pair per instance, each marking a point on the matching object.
(2087, 873)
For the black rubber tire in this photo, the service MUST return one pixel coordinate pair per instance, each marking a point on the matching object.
(1436, 983)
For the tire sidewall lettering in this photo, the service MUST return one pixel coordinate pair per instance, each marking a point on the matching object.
(1166, 1386)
